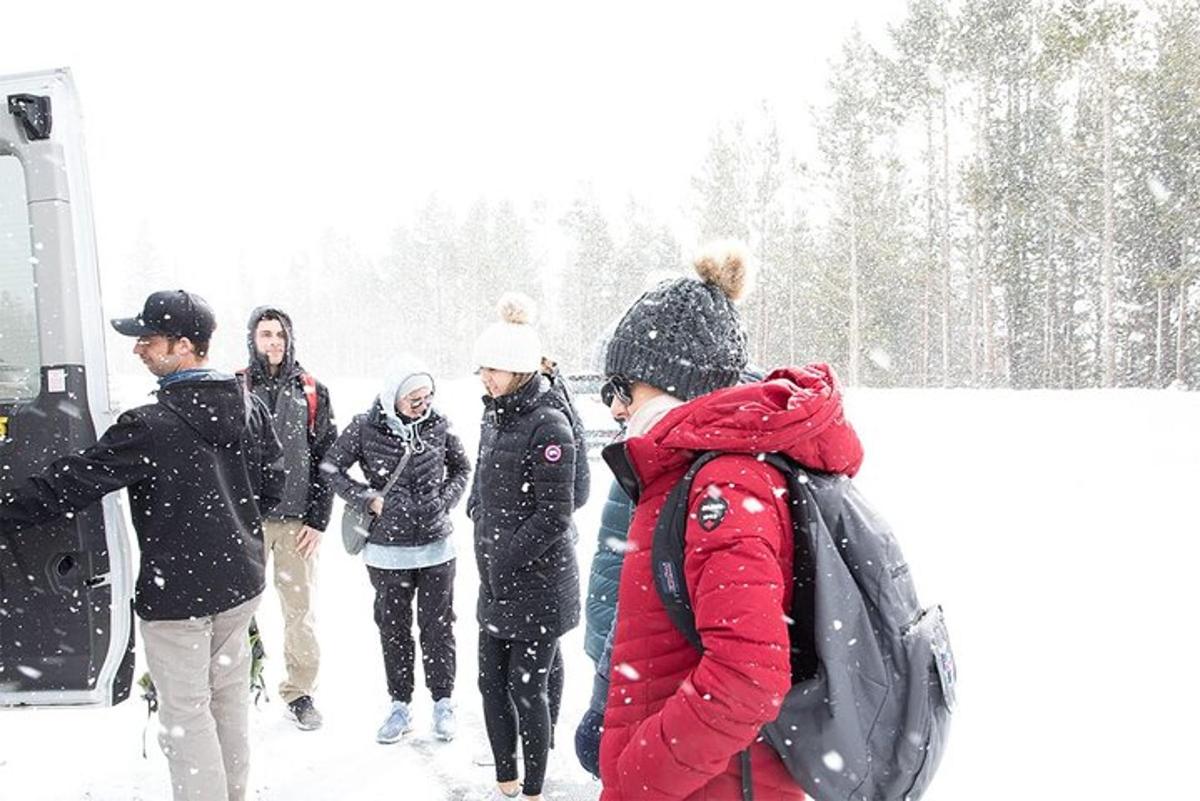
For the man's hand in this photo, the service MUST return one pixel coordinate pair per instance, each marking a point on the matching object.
(375, 507)
(307, 541)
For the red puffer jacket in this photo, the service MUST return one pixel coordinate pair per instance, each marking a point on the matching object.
(676, 721)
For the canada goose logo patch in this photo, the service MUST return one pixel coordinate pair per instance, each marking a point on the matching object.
(711, 513)
(553, 453)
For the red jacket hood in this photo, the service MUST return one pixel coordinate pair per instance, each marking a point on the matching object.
(796, 411)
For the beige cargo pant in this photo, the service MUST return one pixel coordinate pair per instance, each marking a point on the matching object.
(201, 668)
(295, 584)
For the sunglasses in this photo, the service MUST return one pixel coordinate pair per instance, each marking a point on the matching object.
(616, 387)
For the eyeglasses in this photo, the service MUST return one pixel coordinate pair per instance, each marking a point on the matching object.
(421, 401)
(616, 387)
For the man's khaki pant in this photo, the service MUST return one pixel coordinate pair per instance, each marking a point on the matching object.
(295, 584)
(201, 668)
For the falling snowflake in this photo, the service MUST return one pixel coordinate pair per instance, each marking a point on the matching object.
(628, 671)
(833, 760)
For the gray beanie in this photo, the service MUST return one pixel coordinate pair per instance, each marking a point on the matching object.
(685, 336)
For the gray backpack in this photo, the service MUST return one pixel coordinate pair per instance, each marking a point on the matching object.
(872, 671)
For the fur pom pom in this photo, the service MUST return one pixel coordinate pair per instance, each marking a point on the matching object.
(516, 307)
(726, 264)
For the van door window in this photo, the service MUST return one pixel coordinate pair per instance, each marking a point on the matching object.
(19, 361)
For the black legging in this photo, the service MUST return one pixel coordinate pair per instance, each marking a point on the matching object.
(513, 680)
(555, 689)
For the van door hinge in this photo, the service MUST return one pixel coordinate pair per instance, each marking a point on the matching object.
(34, 113)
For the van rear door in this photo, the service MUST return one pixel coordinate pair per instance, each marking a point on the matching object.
(66, 590)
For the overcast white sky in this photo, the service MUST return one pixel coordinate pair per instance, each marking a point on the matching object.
(237, 132)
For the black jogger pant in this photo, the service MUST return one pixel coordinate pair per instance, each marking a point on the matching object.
(513, 680)
(433, 588)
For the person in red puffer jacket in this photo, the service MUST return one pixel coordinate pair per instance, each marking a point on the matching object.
(677, 721)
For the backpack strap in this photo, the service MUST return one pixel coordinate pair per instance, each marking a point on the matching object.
(747, 778)
(803, 618)
(310, 396)
(667, 549)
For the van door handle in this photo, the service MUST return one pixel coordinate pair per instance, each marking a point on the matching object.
(102, 580)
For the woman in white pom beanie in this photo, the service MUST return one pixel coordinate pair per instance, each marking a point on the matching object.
(521, 504)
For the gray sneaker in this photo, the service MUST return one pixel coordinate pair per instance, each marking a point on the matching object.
(398, 723)
(303, 714)
(444, 724)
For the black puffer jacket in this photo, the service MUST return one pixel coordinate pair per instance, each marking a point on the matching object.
(416, 510)
(521, 504)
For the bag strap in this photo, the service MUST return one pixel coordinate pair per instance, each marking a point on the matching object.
(391, 482)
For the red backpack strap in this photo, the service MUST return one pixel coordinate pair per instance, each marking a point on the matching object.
(310, 395)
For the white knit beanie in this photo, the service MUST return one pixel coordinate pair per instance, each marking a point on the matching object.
(511, 343)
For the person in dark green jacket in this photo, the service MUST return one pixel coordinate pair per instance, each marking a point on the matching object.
(605, 574)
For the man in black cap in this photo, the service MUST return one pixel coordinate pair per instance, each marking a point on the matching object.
(201, 467)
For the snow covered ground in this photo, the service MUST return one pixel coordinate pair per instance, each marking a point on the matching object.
(1057, 529)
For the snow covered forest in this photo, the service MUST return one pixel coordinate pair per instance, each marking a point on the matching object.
(1005, 195)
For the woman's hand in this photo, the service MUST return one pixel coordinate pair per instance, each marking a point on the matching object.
(375, 506)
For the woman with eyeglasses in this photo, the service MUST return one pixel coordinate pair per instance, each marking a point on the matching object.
(404, 441)
(521, 503)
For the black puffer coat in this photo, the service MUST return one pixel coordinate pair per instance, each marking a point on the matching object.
(416, 510)
(521, 503)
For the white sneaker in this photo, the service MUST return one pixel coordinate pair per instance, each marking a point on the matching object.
(444, 724)
(398, 723)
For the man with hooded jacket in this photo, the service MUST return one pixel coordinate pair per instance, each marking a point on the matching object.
(303, 419)
(682, 723)
(200, 465)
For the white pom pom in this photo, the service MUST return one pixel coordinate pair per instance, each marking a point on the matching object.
(726, 264)
(516, 307)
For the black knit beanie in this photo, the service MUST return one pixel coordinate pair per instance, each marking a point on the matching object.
(685, 336)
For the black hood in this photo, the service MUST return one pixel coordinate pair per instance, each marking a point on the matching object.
(289, 353)
(214, 409)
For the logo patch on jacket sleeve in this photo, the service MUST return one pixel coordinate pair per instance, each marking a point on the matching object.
(711, 513)
(553, 453)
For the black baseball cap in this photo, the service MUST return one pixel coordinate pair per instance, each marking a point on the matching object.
(172, 313)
